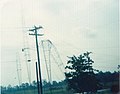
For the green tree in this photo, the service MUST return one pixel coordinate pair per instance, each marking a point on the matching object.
(81, 77)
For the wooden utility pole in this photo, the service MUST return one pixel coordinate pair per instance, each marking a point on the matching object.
(37, 78)
(38, 56)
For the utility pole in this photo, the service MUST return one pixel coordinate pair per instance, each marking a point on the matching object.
(38, 56)
(37, 78)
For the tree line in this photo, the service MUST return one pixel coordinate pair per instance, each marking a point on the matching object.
(105, 79)
(80, 78)
(33, 86)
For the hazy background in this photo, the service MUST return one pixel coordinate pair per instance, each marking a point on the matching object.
(74, 27)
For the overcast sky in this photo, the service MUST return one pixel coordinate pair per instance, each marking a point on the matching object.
(73, 26)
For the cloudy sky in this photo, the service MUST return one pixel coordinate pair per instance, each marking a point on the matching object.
(73, 26)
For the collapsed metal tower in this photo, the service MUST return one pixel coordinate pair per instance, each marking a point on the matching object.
(51, 54)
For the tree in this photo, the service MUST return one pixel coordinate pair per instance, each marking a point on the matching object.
(54, 83)
(9, 87)
(81, 77)
(34, 83)
(107, 79)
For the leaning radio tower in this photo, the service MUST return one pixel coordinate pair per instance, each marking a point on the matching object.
(26, 48)
(19, 70)
(26, 51)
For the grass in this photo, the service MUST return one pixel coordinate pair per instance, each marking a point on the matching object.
(55, 91)
(34, 91)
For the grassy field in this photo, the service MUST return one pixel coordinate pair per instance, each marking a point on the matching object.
(34, 91)
(58, 91)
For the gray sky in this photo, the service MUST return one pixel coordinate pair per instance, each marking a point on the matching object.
(74, 27)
